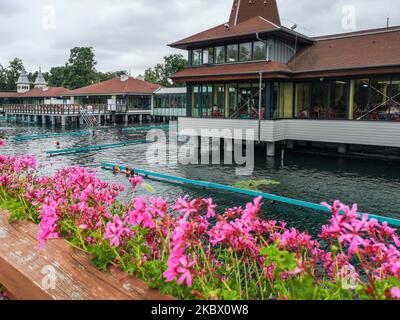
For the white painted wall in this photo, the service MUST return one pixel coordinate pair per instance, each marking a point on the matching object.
(373, 133)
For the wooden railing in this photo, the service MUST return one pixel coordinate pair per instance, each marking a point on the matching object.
(66, 109)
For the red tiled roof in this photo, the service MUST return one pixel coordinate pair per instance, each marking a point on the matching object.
(232, 69)
(370, 48)
(251, 26)
(37, 93)
(246, 9)
(117, 86)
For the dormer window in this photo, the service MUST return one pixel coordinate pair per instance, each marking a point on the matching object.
(259, 51)
(220, 55)
(245, 51)
(232, 53)
(208, 56)
(196, 59)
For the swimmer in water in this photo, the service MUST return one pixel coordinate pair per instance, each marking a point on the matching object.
(116, 170)
(58, 144)
(128, 172)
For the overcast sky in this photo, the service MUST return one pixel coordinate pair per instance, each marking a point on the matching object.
(133, 34)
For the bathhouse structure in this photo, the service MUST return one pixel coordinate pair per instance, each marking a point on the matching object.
(121, 99)
(340, 90)
(170, 103)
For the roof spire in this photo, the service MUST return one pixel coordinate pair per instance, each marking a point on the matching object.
(40, 81)
(243, 10)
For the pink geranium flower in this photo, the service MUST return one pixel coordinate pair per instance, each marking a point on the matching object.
(116, 230)
(3, 142)
(396, 293)
(136, 181)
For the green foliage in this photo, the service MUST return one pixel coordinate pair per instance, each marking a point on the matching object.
(9, 75)
(162, 72)
(254, 185)
(80, 70)
(19, 209)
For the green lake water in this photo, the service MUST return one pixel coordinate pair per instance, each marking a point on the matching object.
(373, 184)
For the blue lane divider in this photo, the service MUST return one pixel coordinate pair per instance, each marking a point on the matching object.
(147, 128)
(8, 118)
(95, 148)
(211, 185)
(51, 135)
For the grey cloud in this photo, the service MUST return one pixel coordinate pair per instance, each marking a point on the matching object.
(133, 34)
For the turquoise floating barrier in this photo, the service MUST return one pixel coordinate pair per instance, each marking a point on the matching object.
(210, 185)
(51, 135)
(94, 148)
(8, 118)
(147, 128)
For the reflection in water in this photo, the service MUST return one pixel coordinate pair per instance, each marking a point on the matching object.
(375, 185)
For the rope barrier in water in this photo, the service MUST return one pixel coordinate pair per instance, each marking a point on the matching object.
(272, 197)
(95, 148)
(147, 128)
(51, 135)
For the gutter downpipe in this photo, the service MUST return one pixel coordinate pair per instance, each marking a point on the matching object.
(261, 89)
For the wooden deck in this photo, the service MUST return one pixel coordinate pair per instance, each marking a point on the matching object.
(27, 271)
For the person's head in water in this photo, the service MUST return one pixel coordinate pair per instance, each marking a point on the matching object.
(128, 171)
(133, 173)
(116, 169)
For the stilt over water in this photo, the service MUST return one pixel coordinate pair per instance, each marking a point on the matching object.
(210, 185)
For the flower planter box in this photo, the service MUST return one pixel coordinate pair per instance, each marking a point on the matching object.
(59, 272)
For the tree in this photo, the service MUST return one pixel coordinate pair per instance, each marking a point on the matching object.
(80, 69)
(162, 72)
(57, 77)
(12, 74)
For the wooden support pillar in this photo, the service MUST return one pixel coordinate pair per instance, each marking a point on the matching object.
(351, 99)
(270, 149)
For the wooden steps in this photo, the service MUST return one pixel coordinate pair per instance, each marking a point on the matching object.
(59, 272)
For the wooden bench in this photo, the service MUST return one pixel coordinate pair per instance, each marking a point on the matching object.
(58, 272)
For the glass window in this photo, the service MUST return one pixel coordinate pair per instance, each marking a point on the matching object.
(246, 101)
(196, 101)
(361, 98)
(208, 56)
(303, 100)
(218, 110)
(196, 59)
(206, 101)
(379, 108)
(232, 53)
(320, 98)
(232, 100)
(220, 55)
(245, 51)
(205, 56)
(395, 103)
(259, 50)
(338, 99)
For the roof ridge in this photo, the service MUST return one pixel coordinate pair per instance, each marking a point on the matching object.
(359, 33)
(266, 20)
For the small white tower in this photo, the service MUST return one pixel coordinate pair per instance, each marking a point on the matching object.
(23, 83)
(40, 81)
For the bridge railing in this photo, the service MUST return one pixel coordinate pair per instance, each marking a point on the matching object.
(50, 109)
(67, 109)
